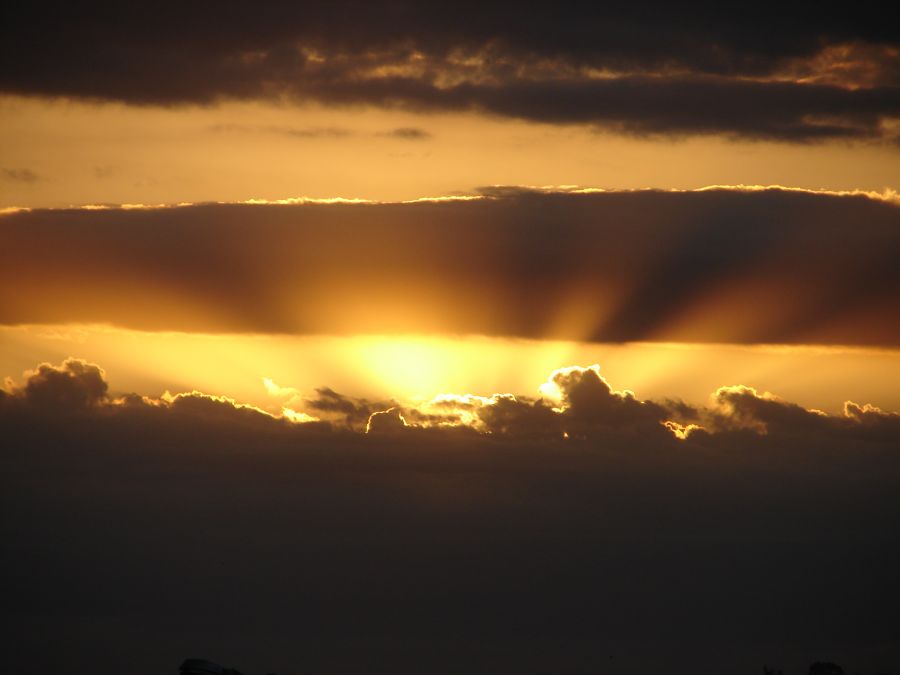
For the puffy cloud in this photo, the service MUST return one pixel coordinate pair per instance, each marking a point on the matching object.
(78, 387)
(199, 406)
(588, 401)
(868, 414)
(388, 421)
(872, 422)
(723, 265)
(578, 405)
(73, 385)
(507, 415)
(743, 407)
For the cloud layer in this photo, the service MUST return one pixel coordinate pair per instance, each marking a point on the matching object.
(577, 405)
(774, 73)
(727, 265)
(145, 530)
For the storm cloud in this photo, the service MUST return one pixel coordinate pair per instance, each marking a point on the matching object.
(771, 72)
(725, 265)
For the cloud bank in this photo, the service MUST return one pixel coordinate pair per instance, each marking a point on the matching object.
(577, 404)
(761, 72)
(719, 265)
(147, 529)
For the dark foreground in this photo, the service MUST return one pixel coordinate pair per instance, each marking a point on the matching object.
(324, 552)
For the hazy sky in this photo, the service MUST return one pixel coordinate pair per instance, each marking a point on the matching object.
(65, 152)
(343, 337)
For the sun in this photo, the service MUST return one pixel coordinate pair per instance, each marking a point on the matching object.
(418, 367)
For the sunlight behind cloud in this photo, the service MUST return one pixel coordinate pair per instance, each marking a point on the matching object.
(413, 365)
(269, 371)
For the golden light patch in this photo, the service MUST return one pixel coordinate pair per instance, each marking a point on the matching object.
(236, 151)
(270, 371)
(415, 366)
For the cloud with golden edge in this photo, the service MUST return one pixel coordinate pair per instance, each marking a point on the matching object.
(578, 405)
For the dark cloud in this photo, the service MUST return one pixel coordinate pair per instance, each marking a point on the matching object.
(723, 70)
(408, 134)
(345, 411)
(402, 133)
(744, 408)
(136, 532)
(589, 401)
(578, 405)
(507, 415)
(315, 132)
(731, 265)
(73, 385)
(649, 105)
(389, 421)
(293, 132)
(20, 175)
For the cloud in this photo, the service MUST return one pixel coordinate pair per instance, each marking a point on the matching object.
(408, 134)
(648, 105)
(312, 547)
(744, 408)
(102, 172)
(504, 415)
(402, 133)
(658, 70)
(588, 401)
(343, 411)
(389, 421)
(73, 385)
(293, 132)
(315, 132)
(20, 175)
(741, 265)
(577, 404)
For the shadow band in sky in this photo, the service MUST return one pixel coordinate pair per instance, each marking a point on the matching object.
(729, 265)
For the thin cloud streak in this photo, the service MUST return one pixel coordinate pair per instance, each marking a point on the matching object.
(20, 175)
(330, 133)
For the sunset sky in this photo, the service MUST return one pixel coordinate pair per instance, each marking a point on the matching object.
(343, 337)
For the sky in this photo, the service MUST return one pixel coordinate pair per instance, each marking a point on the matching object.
(343, 337)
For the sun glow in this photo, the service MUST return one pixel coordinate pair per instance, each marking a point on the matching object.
(414, 366)
(268, 371)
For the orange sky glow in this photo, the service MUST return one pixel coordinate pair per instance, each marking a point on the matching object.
(89, 154)
(484, 337)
